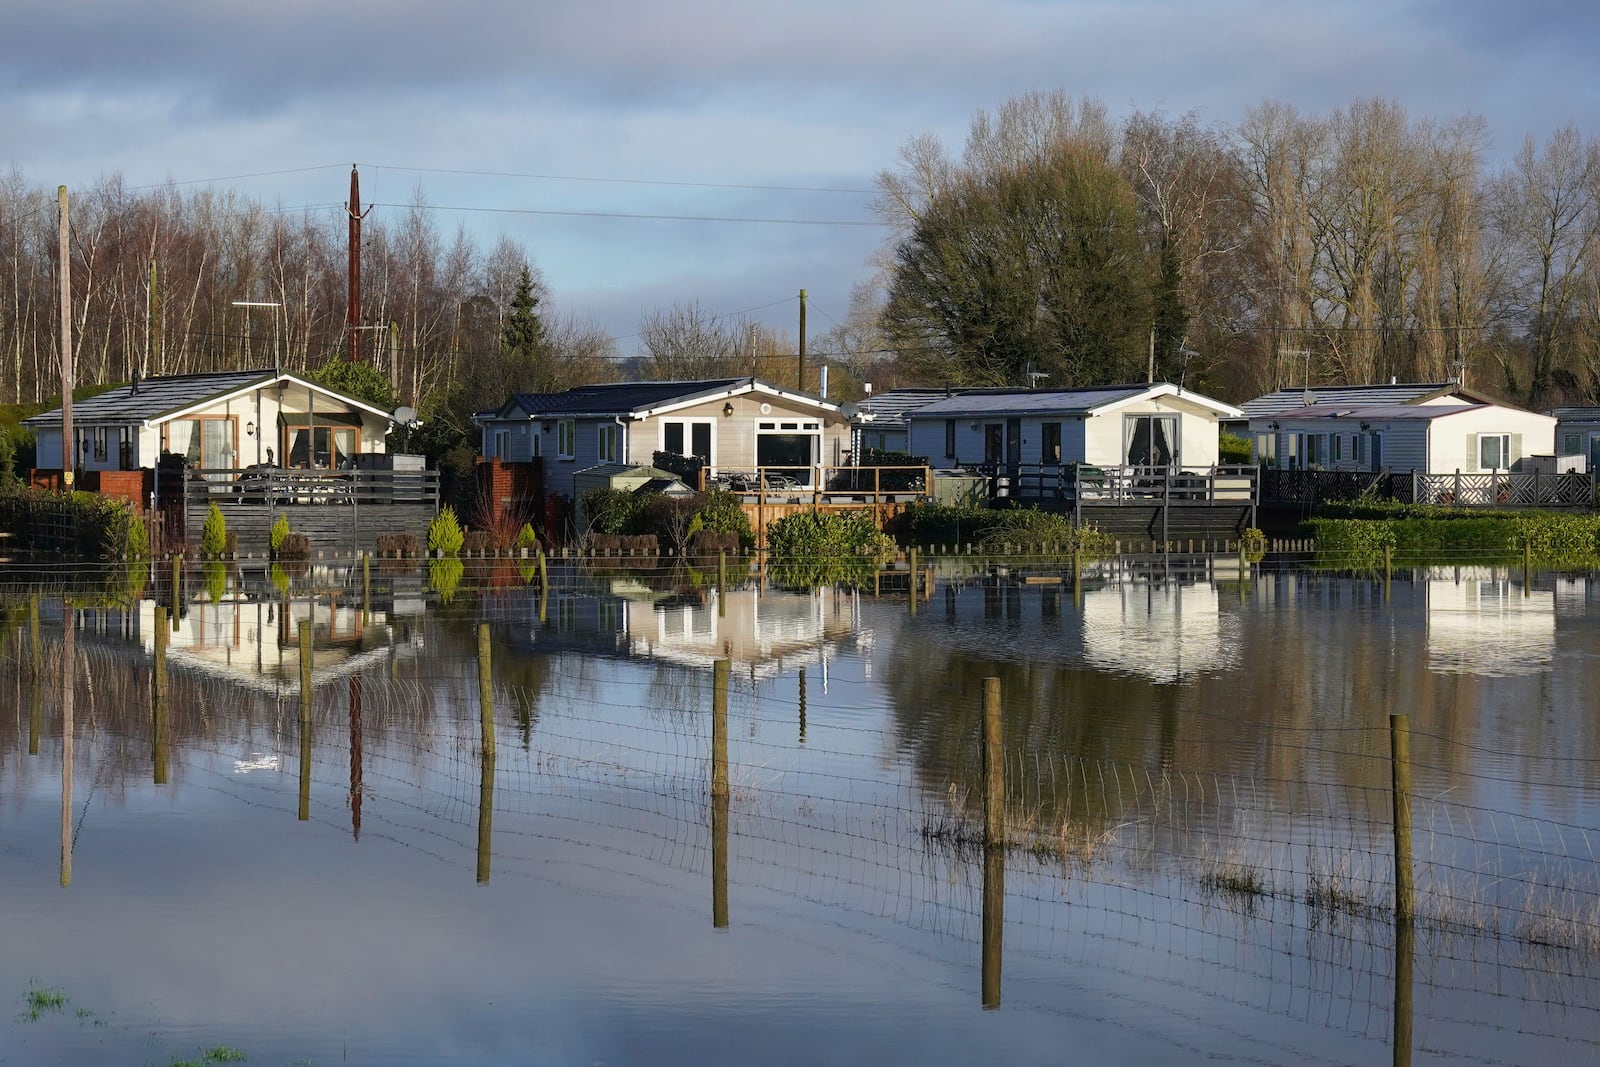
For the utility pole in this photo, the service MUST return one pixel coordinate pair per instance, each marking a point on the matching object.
(353, 314)
(802, 381)
(67, 464)
(1150, 375)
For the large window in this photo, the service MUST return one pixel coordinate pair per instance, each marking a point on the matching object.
(685, 437)
(566, 439)
(1494, 451)
(794, 445)
(1152, 440)
(207, 443)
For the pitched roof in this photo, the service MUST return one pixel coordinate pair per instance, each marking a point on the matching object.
(1085, 401)
(891, 407)
(151, 399)
(1376, 412)
(641, 399)
(1283, 400)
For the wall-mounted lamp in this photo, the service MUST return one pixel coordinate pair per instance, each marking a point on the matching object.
(1272, 426)
(547, 427)
(974, 426)
(249, 429)
(727, 409)
(1365, 426)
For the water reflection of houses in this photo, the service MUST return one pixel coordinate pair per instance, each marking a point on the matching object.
(1159, 630)
(1482, 622)
(762, 633)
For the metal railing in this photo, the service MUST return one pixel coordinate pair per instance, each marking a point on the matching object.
(283, 486)
(823, 486)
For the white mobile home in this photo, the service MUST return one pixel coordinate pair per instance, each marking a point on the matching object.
(1156, 425)
(1429, 438)
(735, 424)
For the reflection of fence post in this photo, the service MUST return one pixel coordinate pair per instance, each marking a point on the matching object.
(1405, 941)
(994, 786)
(722, 582)
(994, 923)
(485, 691)
(177, 587)
(544, 586)
(802, 705)
(1527, 567)
(1400, 764)
(305, 720)
(366, 588)
(719, 793)
(158, 699)
(485, 812)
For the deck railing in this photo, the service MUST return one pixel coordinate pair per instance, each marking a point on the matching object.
(1493, 489)
(830, 486)
(1085, 483)
(284, 486)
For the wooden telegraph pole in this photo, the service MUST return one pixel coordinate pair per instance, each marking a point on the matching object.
(801, 383)
(67, 464)
(353, 311)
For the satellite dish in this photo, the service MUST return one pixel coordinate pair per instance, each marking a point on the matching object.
(405, 416)
(848, 410)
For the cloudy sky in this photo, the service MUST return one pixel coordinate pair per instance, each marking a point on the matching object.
(558, 123)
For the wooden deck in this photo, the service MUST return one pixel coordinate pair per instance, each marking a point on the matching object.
(337, 510)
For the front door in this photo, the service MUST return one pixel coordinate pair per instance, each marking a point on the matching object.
(1013, 443)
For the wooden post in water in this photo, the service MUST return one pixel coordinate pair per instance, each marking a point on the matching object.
(485, 691)
(366, 588)
(1400, 764)
(305, 720)
(544, 587)
(911, 576)
(357, 789)
(1527, 568)
(994, 786)
(722, 583)
(177, 588)
(719, 793)
(158, 699)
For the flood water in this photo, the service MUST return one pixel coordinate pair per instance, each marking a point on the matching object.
(1198, 792)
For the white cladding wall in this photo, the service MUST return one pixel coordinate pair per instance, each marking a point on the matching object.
(1429, 446)
(1098, 439)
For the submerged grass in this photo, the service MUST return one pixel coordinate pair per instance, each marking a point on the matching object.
(40, 1002)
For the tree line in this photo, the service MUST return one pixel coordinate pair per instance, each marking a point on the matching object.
(1061, 246)
(1352, 247)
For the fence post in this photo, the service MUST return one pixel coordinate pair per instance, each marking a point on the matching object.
(994, 786)
(802, 705)
(158, 698)
(366, 588)
(485, 691)
(1400, 764)
(994, 903)
(722, 582)
(719, 793)
(305, 720)
(911, 576)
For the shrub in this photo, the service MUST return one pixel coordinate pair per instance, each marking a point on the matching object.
(444, 533)
(526, 537)
(814, 548)
(444, 577)
(137, 542)
(280, 530)
(993, 528)
(294, 546)
(478, 541)
(214, 533)
(708, 544)
(1232, 448)
(720, 512)
(614, 511)
(403, 545)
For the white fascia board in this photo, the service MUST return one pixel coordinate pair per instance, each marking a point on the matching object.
(269, 382)
(1161, 390)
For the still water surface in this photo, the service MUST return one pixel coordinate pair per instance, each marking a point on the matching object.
(1198, 794)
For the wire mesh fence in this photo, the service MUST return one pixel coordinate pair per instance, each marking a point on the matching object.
(1176, 886)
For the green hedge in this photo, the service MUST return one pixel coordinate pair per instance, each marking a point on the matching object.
(1550, 538)
(82, 524)
(954, 525)
(814, 548)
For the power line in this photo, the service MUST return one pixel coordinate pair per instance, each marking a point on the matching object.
(233, 177)
(635, 215)
(630, 181)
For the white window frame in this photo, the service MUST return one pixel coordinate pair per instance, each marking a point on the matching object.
(606, 442)
(688, 425)
(566, 439)
(1503, 446)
